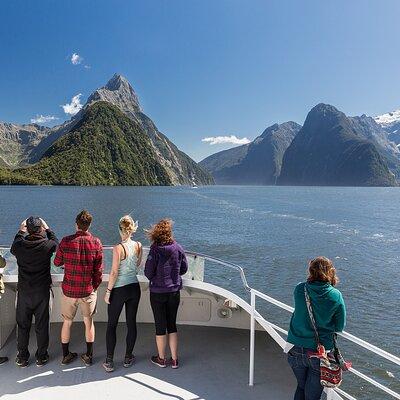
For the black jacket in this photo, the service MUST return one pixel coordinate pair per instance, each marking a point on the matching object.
(33, 254)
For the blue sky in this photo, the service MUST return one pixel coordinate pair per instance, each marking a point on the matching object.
(202, 68)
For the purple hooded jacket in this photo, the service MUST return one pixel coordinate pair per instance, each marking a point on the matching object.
(164, 267)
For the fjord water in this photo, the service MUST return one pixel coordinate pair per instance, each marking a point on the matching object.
(272, 232)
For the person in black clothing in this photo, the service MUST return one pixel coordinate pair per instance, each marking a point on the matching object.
(33, 248)
(2, 266)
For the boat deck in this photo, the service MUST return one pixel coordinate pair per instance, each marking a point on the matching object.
(214, 366)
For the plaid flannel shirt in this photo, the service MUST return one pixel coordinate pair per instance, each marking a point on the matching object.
(81, 255)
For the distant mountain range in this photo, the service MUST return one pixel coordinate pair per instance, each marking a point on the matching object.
(256, 163)
(110, 141)
(331, 149)
(46, 148)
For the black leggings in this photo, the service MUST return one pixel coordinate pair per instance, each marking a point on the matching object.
(165, 307)
(128, 295)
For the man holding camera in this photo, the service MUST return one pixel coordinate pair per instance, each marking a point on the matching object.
(33, 248)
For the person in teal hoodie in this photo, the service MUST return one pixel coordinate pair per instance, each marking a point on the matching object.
(330, 317)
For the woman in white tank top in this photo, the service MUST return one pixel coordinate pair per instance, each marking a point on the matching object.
(123, 290)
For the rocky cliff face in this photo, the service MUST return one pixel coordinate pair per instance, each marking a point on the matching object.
(119, 92)
(371, 130)
(257, 163)
(19, 141)
(329, 151)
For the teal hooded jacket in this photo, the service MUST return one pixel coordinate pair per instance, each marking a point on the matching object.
(329, 313)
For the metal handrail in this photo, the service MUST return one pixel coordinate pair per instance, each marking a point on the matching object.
(230, 265)
(278, 303)
(226, 264)
(346, 335)
(254, 317)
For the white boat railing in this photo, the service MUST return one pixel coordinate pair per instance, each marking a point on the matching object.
(255, 316)
(331, 395)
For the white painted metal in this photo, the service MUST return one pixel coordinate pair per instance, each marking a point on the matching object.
(272, 300)
(375, 383)
(252, 338)
(343, 393)
(371, 347)
(330, 393)
(346, 335)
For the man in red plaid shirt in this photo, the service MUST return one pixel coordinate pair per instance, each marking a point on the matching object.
(81, 254)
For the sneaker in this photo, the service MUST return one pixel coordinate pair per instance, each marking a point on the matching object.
(174, 363)
(69, 358)
(129, 360)
(160, 362)
(3, 360)
(87, 360)
(21, 362)
(41, 361)
(108, 365)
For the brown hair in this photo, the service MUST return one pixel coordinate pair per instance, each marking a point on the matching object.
(321, 269)
(83, 220)
(161, 233)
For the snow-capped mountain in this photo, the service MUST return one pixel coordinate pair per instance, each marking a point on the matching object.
(391, 123)
(389, 118)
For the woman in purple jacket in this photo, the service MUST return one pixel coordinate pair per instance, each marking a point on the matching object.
(165, 264)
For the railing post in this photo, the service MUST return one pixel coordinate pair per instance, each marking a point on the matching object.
(329, 394)
(252, 337)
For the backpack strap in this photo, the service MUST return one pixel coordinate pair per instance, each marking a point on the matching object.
(311, 314)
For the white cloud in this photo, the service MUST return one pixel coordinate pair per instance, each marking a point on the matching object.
(232, 139)
(76, 59)
(75, 105)
(43, 119)
(87, 66)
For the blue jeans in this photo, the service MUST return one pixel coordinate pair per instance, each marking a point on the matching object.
(307, 373)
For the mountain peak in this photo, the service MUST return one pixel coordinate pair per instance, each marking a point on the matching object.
(269, 130)
(116, 82)
(117, 91)
(323, 117)
(325, 109)
(284, 126)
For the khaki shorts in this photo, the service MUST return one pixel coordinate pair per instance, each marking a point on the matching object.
(69, 306)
